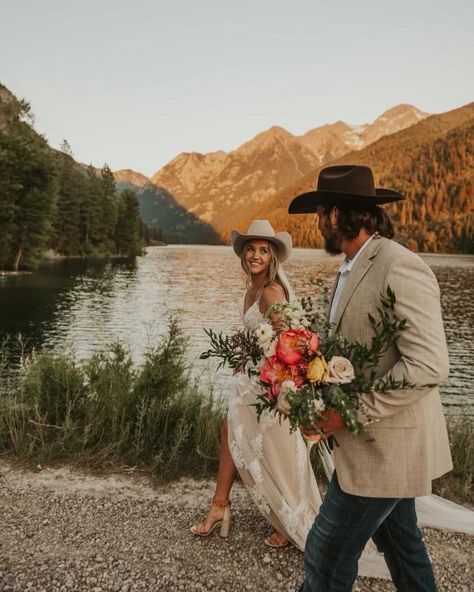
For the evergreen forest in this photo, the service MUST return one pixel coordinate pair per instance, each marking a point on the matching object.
(48, 202)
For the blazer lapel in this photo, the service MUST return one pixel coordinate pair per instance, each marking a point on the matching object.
(361, 267)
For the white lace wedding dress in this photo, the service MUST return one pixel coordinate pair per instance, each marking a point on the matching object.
(275, 468)
(273, 464)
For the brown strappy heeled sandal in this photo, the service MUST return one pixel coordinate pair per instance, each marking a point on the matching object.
(276, 540)
(223, 522)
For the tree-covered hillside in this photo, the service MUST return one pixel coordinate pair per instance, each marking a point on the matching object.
(47, 201)
(432, 163)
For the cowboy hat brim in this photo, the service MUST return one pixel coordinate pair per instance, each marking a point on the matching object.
(281, 240)
(307, 203)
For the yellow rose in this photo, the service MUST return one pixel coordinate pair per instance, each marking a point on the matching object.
(316, 370)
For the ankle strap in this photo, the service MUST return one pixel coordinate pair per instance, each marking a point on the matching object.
(221, 503)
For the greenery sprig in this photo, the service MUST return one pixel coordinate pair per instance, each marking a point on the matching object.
(239, 351)
(308, 400)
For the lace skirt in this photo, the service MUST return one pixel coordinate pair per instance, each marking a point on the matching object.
(274, 465)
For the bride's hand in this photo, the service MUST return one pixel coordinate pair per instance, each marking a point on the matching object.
(277, 324)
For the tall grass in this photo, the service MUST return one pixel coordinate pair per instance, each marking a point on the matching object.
(107, 410)
(458, 485)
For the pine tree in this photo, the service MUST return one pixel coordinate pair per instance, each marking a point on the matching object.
(109, 206)
(90, 221)
(127, 233)
(66, 238)
(27, 192)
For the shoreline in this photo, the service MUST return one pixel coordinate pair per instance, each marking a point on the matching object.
(66, 529)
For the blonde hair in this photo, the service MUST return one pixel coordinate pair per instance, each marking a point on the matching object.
(272, 271)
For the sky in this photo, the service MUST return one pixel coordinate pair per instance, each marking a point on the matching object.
(133, 84)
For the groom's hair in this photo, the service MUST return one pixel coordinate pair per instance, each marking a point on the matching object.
(351, 220)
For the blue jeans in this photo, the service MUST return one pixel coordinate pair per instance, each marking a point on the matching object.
(341, 530)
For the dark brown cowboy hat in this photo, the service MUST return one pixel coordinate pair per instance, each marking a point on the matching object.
(350, 184)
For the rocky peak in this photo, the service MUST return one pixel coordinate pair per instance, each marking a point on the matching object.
(131, 177)
(391, 121)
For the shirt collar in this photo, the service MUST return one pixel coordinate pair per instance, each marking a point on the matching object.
(348, 264)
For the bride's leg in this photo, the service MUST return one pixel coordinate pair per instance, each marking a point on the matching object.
(225, 478)
(227, 471)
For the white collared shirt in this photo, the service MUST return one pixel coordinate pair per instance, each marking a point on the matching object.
(343, 273)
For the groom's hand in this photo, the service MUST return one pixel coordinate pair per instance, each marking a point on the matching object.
(330, 422)
(312, 435)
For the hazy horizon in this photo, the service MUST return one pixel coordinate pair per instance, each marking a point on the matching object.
(134, 86)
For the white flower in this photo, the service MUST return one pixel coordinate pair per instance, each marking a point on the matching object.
(269, 349)
(283, 405)
(339, 371)
(318, 405)
(265, 332)
(288, 385)
(296, 319)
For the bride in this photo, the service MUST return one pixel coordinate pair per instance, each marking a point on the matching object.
(274, 465)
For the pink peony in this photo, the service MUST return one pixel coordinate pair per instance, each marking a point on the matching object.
(274, 371)
(295, 344)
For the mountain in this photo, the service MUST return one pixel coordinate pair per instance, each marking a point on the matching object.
(215, 185)
(331, 141)
(160, 210)
(131, 178)
(432, 162)
(212, 185)
(391, 121)
(11, 108)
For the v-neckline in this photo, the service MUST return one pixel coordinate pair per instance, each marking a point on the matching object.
(244, 312)
(250, 307)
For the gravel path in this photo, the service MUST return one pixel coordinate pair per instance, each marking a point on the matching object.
(63, 530)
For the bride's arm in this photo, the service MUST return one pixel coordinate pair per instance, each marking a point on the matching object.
(272, 295)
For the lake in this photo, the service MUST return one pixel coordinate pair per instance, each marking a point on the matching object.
(78, 306)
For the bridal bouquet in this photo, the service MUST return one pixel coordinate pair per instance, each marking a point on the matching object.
(305, 374)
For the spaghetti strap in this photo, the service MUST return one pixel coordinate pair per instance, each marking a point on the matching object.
(278, 289)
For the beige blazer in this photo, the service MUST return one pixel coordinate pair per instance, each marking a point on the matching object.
(407, 445)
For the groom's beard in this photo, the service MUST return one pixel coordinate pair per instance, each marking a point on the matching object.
(332, 242)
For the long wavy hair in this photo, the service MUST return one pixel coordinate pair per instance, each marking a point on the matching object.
(272, 271)
(352, 219)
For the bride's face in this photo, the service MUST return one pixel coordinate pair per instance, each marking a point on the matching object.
(257, 256)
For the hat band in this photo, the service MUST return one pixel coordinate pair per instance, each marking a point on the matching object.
(355, 189)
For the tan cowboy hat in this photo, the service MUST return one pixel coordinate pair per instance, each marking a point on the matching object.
(349, 184)
(262, 229)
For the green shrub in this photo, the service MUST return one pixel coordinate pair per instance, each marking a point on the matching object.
(458, 485)
(105, 409)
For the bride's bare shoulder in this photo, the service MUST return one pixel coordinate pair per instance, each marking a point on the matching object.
(271, 295)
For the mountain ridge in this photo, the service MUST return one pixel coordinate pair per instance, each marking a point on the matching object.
(432, 162)
(210, 185)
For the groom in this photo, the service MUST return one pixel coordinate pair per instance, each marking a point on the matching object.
(405, 444)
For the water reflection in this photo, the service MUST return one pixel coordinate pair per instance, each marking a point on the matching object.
(80, 306)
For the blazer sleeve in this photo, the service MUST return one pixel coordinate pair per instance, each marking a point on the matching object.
(422, 346)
